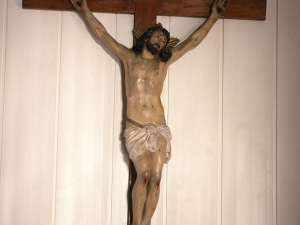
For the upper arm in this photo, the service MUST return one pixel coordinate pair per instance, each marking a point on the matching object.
(102, 35)
(190, 43)
(115, 47)
(194, 39)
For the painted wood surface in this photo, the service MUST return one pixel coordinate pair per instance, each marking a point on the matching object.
(231, 104)
(239, 9)
(288, 105)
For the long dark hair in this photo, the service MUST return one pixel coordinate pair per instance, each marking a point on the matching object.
(164, 54)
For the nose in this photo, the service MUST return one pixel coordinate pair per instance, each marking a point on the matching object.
(161, 39)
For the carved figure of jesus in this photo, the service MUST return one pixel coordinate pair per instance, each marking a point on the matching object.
(147, 136)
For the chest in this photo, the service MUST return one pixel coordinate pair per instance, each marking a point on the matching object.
(146, 69)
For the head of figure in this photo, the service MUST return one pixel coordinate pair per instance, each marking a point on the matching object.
(155, 39)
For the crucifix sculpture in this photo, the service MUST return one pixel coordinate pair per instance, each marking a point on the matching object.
(147, 136)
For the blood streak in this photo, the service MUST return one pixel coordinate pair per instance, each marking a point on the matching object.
(145, 180)
(157, 183)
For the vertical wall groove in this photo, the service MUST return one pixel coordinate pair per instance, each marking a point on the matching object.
(2, 77)
(57, 96)
(220, 128)
(275, 76)
(112, 130)
(165, 171)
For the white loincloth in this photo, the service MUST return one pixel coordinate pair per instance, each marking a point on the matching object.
(138, 139)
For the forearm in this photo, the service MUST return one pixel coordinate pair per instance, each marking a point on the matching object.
(92, 22)
(210, 21)
(200, 33)
(217, 7)
(99, 30)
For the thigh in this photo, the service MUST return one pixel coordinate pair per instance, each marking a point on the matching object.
(143, 163)
(159, 157)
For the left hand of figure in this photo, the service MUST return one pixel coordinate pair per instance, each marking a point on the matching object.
(219, 6)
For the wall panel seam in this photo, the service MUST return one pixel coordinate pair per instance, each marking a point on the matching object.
(56, 126)
(275, 83)
(167, 105)
(112, 132)
(220, 125)
(2, 77)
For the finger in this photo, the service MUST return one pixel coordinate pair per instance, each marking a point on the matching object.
(225, 4)
(79, 3)
(220, 9)
(216, 2)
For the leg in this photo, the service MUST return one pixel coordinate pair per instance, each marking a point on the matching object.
(139, 192)
(158, 160)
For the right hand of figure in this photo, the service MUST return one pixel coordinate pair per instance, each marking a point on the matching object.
(78, 4)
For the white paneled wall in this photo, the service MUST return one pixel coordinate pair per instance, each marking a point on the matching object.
(288, 112)
(232, 105)
(194, 117)
(29, 100)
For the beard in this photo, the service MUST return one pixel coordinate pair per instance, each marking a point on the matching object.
(152, 48)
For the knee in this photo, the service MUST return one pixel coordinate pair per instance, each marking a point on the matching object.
(155, 179)
(143, 175)
(143, 169)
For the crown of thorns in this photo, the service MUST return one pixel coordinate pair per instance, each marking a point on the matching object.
(172, 42)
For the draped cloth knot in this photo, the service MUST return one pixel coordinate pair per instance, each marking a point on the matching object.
(140, 138)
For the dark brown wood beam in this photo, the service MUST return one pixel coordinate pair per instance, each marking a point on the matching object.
(237, 9)
(145, 14)
(111, 6)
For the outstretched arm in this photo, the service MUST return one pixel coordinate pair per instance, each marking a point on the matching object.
(217, 7)
(99, 30)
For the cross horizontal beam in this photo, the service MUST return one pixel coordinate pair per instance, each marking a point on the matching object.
(237, 9)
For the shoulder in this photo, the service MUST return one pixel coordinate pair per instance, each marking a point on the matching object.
(126, 54)
(178, 51)
(129, 56)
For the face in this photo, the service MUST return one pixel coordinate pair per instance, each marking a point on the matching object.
(156, 42)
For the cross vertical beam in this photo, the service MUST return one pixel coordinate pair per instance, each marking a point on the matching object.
(145, 14)
(144, 17)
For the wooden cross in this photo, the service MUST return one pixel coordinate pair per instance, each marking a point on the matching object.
(145, 16)
(146, 10)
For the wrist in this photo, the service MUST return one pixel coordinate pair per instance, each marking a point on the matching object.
(83, 9)
(215, 14)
